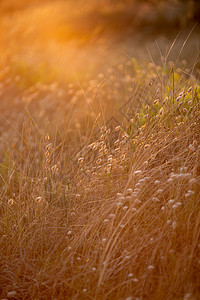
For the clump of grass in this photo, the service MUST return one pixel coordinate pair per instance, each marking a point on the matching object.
(117, 218)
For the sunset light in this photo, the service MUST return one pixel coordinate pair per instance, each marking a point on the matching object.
(100, 149)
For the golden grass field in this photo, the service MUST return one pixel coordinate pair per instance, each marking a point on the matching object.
(99, 161)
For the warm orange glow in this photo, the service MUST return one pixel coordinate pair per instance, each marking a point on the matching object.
(99, 150)
(70, 37)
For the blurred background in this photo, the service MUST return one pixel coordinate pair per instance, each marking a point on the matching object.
(44, 41)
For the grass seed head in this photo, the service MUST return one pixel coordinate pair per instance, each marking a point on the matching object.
(11, 202)
(38, 199)
(11, 294)
(174, 225)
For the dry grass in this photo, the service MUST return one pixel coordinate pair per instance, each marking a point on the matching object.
(99, 178)
(118, 219)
